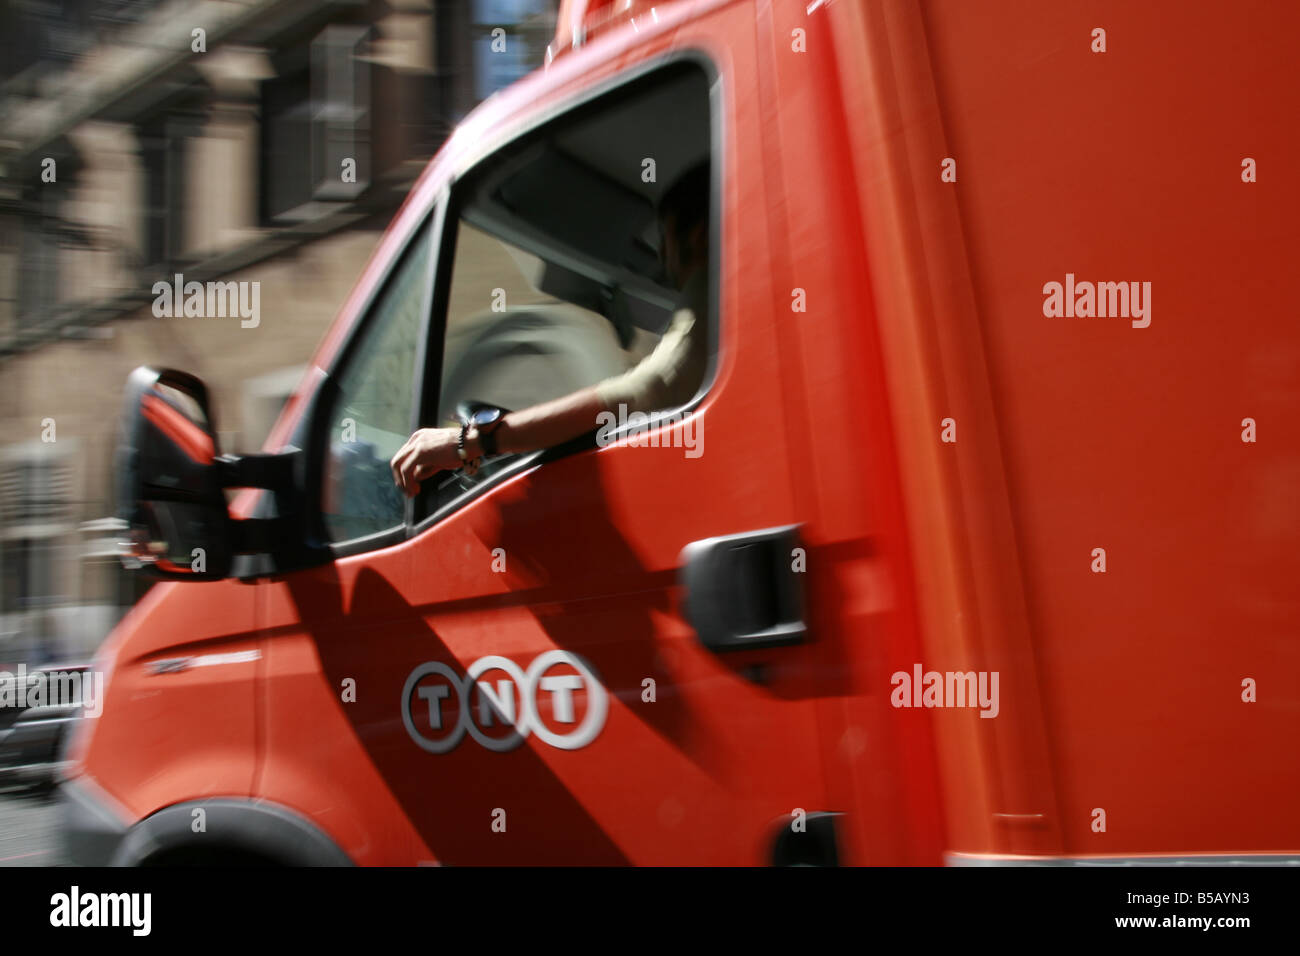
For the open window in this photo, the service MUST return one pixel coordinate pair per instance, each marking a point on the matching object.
(555, 281)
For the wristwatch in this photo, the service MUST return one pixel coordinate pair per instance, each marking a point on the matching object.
(485, 419)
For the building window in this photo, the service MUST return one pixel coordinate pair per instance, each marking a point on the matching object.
(36, 491)
(163, 146)
(286, 143)
(500, 58)
(340, 124)
(38, 274)
(316, 116)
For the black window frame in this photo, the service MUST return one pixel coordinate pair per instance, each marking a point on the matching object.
(442, 217)
(317, 417)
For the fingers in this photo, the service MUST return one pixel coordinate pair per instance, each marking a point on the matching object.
(395, 466)
(425, 453)
(402, 466)
(411, 464)
(410, 470)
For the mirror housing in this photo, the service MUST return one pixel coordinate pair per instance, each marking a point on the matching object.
(170, 480)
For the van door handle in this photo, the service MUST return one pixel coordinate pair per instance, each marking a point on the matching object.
(742, 590)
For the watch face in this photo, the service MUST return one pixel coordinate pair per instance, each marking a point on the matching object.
(485, 416)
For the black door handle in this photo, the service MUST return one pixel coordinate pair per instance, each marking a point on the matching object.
(742, 590)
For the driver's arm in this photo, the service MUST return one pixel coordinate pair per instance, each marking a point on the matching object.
(667, 377)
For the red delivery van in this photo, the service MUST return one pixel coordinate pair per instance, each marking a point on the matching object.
(960, 553)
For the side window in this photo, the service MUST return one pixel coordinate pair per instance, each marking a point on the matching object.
(510, 338)
(557, 281)
(372, 415)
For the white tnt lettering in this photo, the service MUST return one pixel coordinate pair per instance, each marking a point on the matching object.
(433, 695)
(562, 701)
(498, 706)
(502, 703)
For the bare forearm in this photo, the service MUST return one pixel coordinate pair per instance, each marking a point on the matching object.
(551, 423)
(431, 450)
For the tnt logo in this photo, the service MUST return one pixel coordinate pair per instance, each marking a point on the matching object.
(498, 704)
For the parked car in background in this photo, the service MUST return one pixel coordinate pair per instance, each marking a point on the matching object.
(32, 737)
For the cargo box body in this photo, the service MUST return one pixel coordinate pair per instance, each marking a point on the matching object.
(1115, 527)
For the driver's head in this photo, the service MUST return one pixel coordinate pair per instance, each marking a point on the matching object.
(684, 225)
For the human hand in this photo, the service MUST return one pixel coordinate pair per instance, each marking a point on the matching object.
(427, 452)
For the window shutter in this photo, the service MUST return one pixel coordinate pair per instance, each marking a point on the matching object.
(340, 94)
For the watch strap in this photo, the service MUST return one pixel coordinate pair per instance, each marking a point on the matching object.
(470, 464)
(487, 437)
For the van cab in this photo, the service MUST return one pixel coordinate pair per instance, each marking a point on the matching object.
(928, 571)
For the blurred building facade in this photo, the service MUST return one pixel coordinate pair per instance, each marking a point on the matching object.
(267, 141)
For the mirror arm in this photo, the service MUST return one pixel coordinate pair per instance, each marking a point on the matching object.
(274, 472)
(261, 535)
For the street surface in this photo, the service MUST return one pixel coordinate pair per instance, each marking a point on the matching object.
(29, 830)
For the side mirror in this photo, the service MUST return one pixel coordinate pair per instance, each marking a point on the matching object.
(170, 483)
